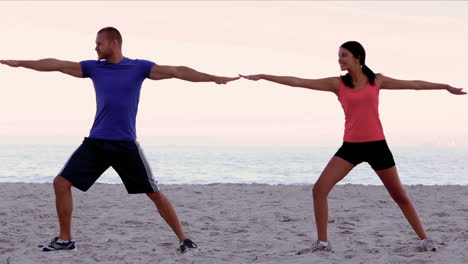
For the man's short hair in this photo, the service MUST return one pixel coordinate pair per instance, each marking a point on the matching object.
(112, 33)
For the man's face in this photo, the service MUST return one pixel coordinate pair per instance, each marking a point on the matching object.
(104, 46)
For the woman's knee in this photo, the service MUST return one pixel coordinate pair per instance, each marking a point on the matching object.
(319, 191)
(401, 198)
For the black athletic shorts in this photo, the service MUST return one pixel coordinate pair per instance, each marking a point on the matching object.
(94, 156)
(376, 153)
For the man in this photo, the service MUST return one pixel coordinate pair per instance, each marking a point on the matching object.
(112, 141)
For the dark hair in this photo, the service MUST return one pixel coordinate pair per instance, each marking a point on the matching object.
(112, 33)
(358, 51)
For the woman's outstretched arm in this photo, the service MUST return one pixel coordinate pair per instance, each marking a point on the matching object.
(395, 84)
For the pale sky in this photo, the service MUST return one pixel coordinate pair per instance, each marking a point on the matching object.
(412, 41)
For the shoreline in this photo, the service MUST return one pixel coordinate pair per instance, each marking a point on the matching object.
(258, 184)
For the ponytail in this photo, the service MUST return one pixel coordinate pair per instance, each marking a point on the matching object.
(347, 80)
(369, 73)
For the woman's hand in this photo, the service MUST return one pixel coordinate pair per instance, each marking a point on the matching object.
(457, 91)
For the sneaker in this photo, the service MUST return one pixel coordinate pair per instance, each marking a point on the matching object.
(428, 244)
(188, 245)
(316, 246)
(56, 244)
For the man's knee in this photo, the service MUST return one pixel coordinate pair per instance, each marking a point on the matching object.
(156, 196)
(60, 183)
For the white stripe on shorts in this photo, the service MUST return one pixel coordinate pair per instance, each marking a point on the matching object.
(149, 173)
(66, 163)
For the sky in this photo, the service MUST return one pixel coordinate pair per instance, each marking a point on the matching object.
(404, 40)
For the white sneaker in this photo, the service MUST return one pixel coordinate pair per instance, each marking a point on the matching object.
(428, 244)
(57, 244)
(316, 246)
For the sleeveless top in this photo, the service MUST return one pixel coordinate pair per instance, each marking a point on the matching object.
(361, 109)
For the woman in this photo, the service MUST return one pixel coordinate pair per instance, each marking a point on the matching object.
(364, 140)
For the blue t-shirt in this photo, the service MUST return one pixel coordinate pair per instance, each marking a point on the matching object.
(117, 88)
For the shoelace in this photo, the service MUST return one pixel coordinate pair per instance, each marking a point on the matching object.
(429, 243)
(316, 244)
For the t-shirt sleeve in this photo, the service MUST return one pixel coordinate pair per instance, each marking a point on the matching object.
(86, 67)
(146, 66)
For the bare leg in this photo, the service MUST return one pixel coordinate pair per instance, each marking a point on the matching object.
(167, 212)
(64, 205)
(335, 171)
(392, 182)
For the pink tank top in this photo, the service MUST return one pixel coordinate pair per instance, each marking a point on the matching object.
(361, 108)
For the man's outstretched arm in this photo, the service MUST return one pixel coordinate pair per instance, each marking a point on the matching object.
(67, 67)
(159, 72)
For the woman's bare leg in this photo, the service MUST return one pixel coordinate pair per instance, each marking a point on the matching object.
(335, 171)
(392, 182)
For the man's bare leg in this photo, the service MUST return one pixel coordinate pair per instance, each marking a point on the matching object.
(167, 212)
(64, 205)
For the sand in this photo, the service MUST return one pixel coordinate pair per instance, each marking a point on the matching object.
(234, 223)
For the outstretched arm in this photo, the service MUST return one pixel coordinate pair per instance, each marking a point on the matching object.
(159, 72)
(394, 84)
(327, 84)
(67, 67)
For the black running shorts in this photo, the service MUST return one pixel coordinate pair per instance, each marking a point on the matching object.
(94, 156)
(376, 153)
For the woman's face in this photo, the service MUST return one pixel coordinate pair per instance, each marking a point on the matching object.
(347, 60)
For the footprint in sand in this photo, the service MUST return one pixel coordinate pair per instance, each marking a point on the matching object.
(360, 243)
(166, 244)
(441, 214)
(404, 251)
(208, 218)
(345, 228)
(238, 231)
(133, 222)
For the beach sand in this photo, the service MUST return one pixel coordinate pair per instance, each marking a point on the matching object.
(234, 223)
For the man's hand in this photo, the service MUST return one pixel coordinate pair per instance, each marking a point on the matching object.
(255, 77)
(11, 63)
(224, 80)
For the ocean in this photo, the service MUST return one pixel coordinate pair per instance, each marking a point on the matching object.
(264, 165)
